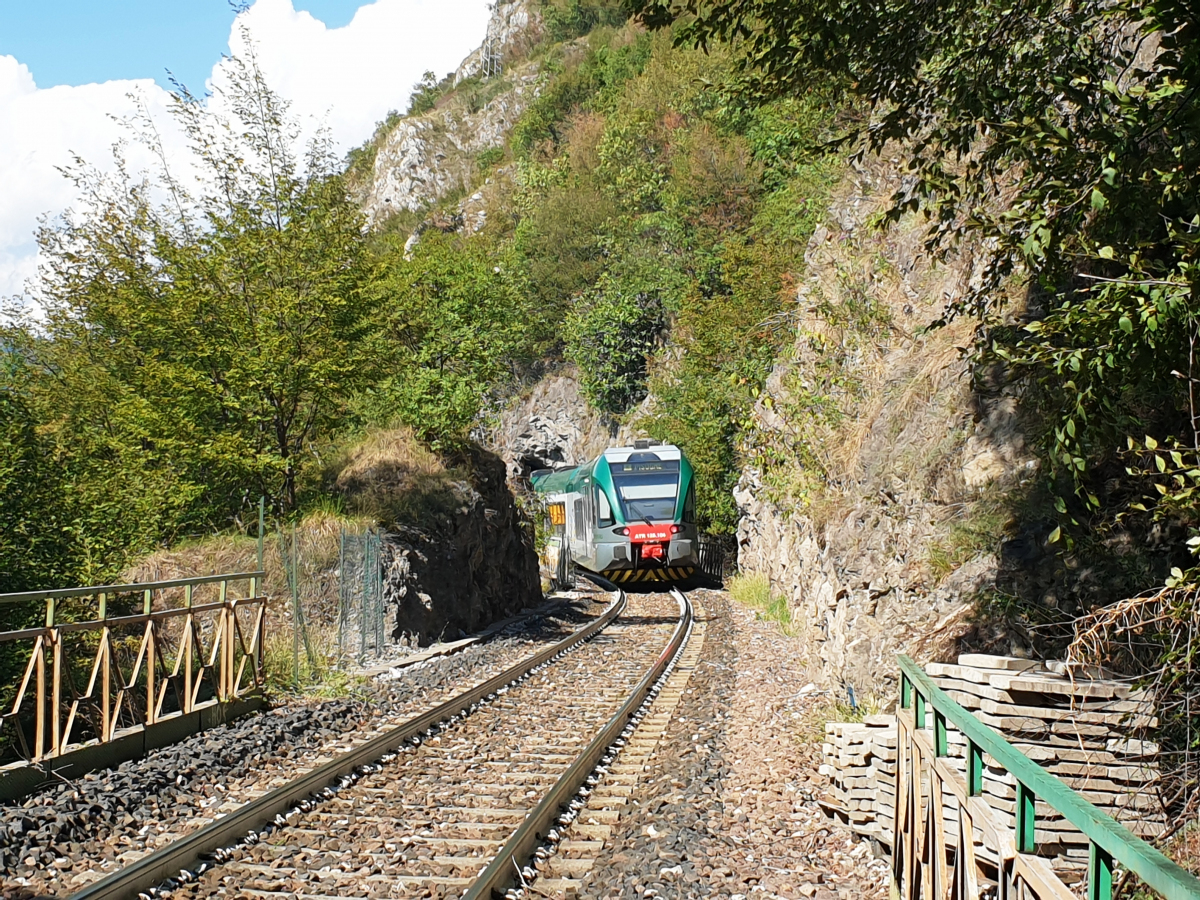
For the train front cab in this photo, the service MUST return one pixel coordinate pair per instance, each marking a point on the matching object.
(645, 515)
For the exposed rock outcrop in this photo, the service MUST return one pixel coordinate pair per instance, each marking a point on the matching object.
(512, 31)
(465, 568)
(871, 542)
(550, 425)
(428, 156)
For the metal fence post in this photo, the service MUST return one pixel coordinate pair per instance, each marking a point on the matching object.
(151, 657)
(189, 625)
(56, 680)
(293, 584)
(341, 610)
(225, 688)
(106, 671)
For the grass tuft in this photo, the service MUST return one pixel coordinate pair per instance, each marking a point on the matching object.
(754, 591)
(836, 707)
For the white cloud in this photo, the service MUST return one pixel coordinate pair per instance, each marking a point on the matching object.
(346, 77)
(353, 75)
(42, 128)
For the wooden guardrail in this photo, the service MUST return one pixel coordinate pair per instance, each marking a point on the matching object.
(112, 657)
(928, 866)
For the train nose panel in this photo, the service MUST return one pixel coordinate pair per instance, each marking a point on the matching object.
(629, 576)
(644, 534)
(654, 551)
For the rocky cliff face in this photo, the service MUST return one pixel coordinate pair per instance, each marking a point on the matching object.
(512, 31)
(872, 531)
(429, 156)
(464, 569)
(551, 424)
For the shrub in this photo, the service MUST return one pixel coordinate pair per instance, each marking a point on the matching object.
(489, 158)
(610, 334)
(567, 19)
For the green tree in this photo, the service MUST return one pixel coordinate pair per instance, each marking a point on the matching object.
(1067, 139)
(613, 329)
(455, 325)
(33, 540)
(207, 342)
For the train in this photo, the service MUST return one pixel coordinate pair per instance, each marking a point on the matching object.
(629, 515)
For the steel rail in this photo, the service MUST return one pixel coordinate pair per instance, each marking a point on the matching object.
(504, 868)
(171, 860)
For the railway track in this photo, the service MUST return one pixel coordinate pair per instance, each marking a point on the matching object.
(73, 833)
(470, 799)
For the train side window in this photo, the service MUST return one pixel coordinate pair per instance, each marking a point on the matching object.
(689, 505)
(604, 507)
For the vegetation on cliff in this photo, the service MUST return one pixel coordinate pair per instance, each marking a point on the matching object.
(1060, 143)
(1071, 146)
(659, 221)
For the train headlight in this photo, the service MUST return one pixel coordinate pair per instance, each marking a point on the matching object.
(675, 529)
(621, 531)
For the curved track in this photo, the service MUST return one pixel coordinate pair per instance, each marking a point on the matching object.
(453, 803)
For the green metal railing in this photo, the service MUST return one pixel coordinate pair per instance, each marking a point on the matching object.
(1109, 842)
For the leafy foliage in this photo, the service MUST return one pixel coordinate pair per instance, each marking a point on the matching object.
(566, 19)
(217, 337)
(663, 216)
(610, 334)
(200, 351)
(454, 325)
(1067, 138)
(32, 542)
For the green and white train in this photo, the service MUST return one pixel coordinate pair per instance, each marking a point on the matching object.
(628, 515)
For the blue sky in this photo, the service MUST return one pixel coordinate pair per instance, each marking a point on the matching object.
(71, 70)
(91, 41)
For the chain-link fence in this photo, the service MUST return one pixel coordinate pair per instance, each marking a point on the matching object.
(362, 631)
(334, 602)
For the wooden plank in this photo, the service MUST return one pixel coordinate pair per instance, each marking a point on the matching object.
(1042, 878)
(974, 691)
(1005, 663)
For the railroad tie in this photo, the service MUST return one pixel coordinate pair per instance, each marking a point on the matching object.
(561, 875)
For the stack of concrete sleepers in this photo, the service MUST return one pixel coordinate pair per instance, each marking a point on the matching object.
(1090, 732)
(860, 762)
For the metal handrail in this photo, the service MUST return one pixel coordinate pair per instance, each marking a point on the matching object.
(1109, 840)
(60, 593)
(231, 664)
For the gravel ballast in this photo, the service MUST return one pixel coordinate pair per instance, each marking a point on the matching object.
(144, 804)
(729, 808)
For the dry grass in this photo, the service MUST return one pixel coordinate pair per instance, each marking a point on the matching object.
(392, 478)
(318, 541)
(311, 669)
(835, 706)
(318, 538)
(389, 477)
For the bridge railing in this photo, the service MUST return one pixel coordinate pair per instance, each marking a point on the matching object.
(92, 661)
(926, 864)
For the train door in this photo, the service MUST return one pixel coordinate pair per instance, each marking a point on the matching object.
(578, 531)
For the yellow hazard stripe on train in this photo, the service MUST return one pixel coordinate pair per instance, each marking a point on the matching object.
(629, 576)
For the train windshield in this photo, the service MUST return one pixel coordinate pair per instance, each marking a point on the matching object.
(647, 490)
